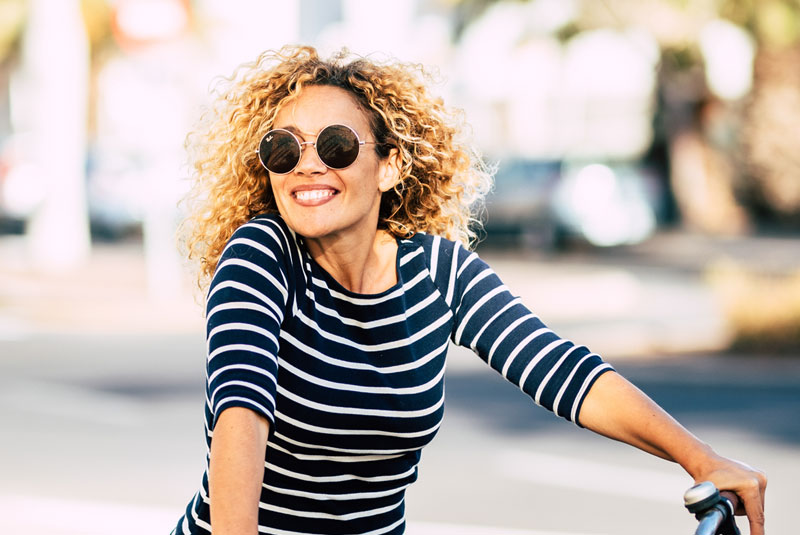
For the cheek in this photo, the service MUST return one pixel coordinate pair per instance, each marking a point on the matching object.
(369, 178)
(368, 189)
(275, 186)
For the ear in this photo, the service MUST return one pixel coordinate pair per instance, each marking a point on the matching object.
(389, 171)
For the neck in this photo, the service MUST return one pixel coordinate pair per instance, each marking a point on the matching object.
(361, 266)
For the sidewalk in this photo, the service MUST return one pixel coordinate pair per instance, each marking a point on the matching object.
(696, 252)
(636, 301)
(109, 295)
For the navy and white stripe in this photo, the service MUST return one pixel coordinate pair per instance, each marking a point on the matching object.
(351, 384)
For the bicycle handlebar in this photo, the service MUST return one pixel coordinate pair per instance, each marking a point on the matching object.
(731, 497)
(713, 509)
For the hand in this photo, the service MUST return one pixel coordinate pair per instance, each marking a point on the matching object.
(749, 485)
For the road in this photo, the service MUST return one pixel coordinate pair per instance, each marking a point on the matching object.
(104, 427)
(101, 426)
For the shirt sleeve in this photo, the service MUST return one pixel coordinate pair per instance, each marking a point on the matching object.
(245, 307)
(555, 372)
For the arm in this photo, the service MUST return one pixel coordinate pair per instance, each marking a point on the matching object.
(616, 409)
(236, 471)
(245, 307)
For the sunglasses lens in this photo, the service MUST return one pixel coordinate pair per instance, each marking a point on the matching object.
(279, 151)
(337, 146)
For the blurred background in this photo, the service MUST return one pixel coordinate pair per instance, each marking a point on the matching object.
(647, 204)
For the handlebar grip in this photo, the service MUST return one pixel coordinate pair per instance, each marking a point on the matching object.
(713, 509)
(731, 497)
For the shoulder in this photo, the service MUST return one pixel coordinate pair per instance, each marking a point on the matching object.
(447, 261)
(267, 229)
(265, 233)
(265, 241)
(258, 260)
(434, 245)
(437, 249)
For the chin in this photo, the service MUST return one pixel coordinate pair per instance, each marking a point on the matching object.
(309, 229)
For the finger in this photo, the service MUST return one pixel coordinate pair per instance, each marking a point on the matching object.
(756, 519)
(758, 488)
(753, 499)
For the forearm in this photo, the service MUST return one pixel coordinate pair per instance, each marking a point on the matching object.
(617, 409)
(236, 471)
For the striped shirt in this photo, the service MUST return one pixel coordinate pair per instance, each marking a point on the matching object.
(352, 384)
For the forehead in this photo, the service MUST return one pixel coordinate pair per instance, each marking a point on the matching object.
(315, 107)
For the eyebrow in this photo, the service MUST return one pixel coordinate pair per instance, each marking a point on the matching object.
(299, 133)
(296, 131)
(290, 128)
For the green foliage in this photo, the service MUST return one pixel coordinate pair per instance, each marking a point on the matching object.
(778, 23)
(12, 20)
(775, 23)
(681, 58)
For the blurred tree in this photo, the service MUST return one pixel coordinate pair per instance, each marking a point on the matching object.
(465, 12)
(734, 163)
(12, 20)
(96, 15)
(770, 136)
(739, 157)
(97, 19)
(771, 116)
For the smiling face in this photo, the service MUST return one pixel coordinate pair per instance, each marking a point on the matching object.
(320, 203)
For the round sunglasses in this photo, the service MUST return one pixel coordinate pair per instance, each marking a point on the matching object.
(337, 146)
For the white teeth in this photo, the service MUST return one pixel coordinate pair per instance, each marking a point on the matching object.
(314, 194)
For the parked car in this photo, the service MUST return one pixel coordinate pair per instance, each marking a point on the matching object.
(548, 204)
(607, 204)
(519, 208)
(115, 197)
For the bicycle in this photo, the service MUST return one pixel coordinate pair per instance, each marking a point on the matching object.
(712, 508)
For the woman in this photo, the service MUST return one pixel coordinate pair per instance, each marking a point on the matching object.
(334, 200)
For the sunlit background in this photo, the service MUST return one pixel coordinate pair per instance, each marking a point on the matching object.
(609, 121)
(663, 134)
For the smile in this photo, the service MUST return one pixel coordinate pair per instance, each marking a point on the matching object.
(314, 196)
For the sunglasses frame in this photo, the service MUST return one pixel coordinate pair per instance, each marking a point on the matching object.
(301, 145)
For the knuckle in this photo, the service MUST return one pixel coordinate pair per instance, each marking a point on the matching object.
(752, 485)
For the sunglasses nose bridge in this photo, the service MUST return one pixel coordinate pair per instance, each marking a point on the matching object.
(303, 161)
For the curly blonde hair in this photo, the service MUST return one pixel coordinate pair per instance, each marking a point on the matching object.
(442, 182)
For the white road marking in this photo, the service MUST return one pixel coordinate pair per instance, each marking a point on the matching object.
(590, 476)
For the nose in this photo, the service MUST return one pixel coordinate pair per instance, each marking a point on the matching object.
(309, 163)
